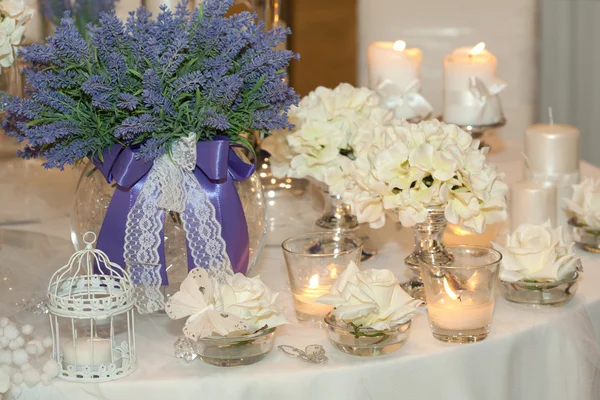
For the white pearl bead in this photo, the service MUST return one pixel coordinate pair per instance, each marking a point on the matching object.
(27, 330)
(51, 368)
(47, 342)
(35, 348)
(16, 391)
(16, 343)
(31, 377)
(11, 332)
(17, 378)
(45, 379)
(6, 357)
(20, 357)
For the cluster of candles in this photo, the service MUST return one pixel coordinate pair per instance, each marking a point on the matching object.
(465, 101)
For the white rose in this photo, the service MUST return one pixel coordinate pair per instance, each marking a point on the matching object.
(250, 299)
(585, 203)
(537, 252)
(370, 298)
(238, 307)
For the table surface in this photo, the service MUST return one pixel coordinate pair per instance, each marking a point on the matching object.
(530, 354)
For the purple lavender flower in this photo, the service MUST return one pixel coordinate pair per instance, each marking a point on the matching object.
(145, 82)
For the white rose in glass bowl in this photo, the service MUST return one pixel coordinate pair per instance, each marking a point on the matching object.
(537, 253)
(250, 299)
(584, 205)
(370, 298)
(240, 306)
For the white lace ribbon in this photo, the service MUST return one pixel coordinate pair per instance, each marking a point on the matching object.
(406, 102)
(171, 186)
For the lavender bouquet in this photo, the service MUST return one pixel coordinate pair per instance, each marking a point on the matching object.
(157, 105)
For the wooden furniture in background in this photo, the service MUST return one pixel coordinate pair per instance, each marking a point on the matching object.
(324, 32)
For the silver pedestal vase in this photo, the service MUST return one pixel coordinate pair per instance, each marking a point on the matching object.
(429, 246)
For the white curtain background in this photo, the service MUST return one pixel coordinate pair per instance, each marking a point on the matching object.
(569, 69)
(437, 27)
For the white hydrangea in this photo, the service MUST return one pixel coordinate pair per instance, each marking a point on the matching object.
(407, 167)
(14, 14)
(330, 127)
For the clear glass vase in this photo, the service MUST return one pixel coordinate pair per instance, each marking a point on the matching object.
(429, 247)
(93, 195)
(336, 214)
(12, 84)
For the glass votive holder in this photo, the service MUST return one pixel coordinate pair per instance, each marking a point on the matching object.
(314, 262)
(586, 238)
(541, 294)
(359, 341)
(461, 294)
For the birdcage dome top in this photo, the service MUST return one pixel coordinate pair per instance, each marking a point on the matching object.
(90, 285)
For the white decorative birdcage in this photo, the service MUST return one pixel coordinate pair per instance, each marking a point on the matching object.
(90, 303)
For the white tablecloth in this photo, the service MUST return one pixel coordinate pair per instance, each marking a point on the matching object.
(530, 353)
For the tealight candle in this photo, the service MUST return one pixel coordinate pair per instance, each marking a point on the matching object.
(392, 64)
(87, 351)
(460, 294)
(462, 69)
(467, 311)
(552, 156)
(305, 301)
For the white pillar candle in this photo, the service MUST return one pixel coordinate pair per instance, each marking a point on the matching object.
(461, 69)
(470, 311)
(81, 352)
(392, 64)
(532, 202)
(552, 155)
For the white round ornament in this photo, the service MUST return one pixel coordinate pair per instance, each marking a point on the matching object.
(6, 357)
(35, 348)
(20, 357)
(16, 343)
(11, 332)
(47, 342)
(4, 382)
(16, 391)
(27, 329)
(45, 379)
(31, 377)
(17, 378)
(51, 368)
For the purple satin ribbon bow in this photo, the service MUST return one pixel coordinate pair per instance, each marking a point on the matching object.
(217, 167)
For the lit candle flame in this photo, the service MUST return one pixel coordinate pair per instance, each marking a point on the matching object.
(478, 48)
(313, 283)
(333, 273)
(449, 290)
(399, 45)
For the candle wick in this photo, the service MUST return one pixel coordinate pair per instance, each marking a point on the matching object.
(459, 299)
(550, 116)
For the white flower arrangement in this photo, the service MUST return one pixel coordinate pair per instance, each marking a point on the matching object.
(584, 204)
(406, 167)
(369, 299)
(14, 14)
(327, 123)
(240, 306)
(537, 253)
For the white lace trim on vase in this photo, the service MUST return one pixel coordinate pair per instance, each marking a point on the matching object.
(171, 185)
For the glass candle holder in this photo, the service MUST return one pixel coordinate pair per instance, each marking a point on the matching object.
(314, 262)
(461, 293)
